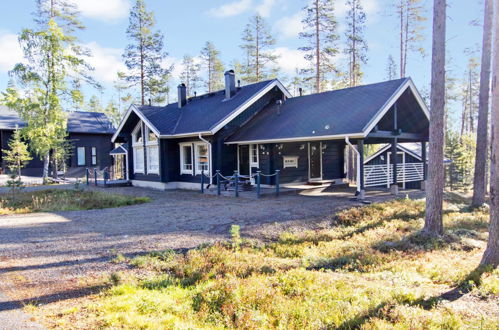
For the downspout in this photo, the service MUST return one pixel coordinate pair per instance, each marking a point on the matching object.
(210, 155)
(347, 140)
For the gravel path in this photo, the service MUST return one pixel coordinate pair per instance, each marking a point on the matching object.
(50, 257)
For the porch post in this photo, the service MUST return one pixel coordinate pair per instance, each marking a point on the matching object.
(425, 168)
(360, 149)
(394, 187)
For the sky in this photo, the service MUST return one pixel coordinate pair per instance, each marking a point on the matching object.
(188, 24)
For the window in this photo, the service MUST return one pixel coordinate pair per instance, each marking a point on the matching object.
(138, 159)
(186, 158)
(202, 157)
(137, 134)
(152, 152)
(94, 156)
(254, 155)
(80, 156)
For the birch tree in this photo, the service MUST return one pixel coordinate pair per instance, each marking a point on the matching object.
(411, 18)
(51, 74)
(491, 254)
(435, 188)
(257, 42)
(320, 32)
(356, 43)
(479, 179)
(144, 55)
(213, 66)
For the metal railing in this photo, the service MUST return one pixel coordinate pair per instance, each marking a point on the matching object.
(236, 179)
(380, 175)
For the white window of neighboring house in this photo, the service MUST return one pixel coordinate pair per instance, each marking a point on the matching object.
(254, 155)
(80, 156)
(138, 149)
(152, 152)
(94, 156)
(202, 157)
(186, 158)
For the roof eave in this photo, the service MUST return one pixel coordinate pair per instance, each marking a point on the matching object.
(301, 139)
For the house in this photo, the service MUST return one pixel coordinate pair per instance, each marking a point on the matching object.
(89, 132)
(260, 127)
(409, 157)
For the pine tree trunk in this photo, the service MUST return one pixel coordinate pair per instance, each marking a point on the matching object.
(479, 183)
(491, 254)
(46, 161)
(402, 38)
(434, 196)
(317, 49)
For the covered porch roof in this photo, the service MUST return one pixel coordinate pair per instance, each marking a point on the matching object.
(375, 113)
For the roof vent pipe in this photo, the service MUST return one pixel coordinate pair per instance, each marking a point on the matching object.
(230, 84)
(182, 95)
(300, 90)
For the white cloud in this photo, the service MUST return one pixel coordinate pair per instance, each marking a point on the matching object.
(10, 53)
(290, 26)
(290, 59)
(103, 9)
(265, 7)
(231, 9)
(106, 62)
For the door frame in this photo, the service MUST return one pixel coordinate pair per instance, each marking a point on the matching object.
(309, 168)
(249, 158)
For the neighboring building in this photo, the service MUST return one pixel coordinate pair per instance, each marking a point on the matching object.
(89, 132)
(261, 127)
(377, 166)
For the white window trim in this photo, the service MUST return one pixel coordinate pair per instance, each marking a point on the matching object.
(92, 155)
(135, 150)
(181, 147)
(196, 144)
(151, 143)
(252, 163)
(134, 134)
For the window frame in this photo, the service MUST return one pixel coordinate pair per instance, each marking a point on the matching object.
(151, 145)
(254, 163)
(182, 145)
(196, 163)
(78, 156)
(136, 143)
(93, 155)
(135, 168)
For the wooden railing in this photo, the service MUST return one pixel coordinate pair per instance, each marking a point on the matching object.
(382, 175)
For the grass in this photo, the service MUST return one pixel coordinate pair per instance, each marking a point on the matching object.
(370, 269)
(53, 200)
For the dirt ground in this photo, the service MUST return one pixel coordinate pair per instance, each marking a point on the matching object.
(51, 257)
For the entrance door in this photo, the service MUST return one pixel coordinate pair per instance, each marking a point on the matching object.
(315, 161)
(244, 161)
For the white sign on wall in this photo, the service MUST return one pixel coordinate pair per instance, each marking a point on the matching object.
(290, 161)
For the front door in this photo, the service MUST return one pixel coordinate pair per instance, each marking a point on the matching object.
(315, 161)
(244, 161)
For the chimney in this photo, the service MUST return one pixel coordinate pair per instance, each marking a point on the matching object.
(230, 84)
(182, 95)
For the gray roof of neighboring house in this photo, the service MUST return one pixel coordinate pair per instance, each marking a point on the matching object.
(338, 112)
(122, 149)
(78, 122)
(201, 113)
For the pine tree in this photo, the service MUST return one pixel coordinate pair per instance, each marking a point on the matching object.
(94, 104)
(52, 74)
(356, 42)
(16, 158)
(320, 30)
(159, 89)
(479, 180)
(491, 254)
(113, 112)
(213, 66)
(469, 96)
(391, 68)
(190, 74)
(144, 54)
(411, 18)
(257, 40)
(434, 197)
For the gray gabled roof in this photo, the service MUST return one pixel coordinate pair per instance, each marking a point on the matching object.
(202, 114)
(413, 148)
(344, 112)
(122, 149)
(78, 121)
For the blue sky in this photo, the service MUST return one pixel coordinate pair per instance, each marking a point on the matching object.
(188, 24)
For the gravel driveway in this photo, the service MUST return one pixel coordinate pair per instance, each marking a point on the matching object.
(47, 257)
